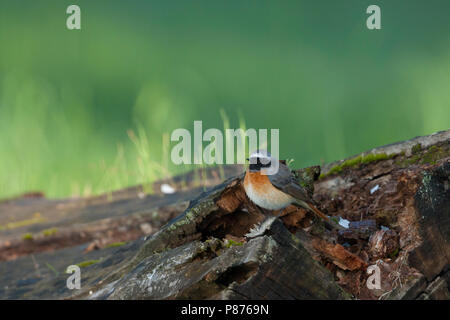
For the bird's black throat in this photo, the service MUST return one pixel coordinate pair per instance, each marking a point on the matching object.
(258, 165)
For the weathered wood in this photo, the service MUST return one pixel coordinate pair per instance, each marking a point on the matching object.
(224, 247)
(433, 206)
(267, 267)
(31, 223)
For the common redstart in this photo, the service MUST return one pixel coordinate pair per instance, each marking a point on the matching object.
(278, 190)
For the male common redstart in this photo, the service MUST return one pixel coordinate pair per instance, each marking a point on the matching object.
(275, 191)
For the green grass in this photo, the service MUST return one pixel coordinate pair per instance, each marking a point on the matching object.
(91, 111)
(52, 268)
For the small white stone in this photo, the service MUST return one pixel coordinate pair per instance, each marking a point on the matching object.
(374, 189)
(167, 189)
(344, 222)
(141, 195)
(146, 228)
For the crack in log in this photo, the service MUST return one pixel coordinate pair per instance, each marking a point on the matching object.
(239, 274)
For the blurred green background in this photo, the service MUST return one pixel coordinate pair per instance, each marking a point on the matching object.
(310, 68)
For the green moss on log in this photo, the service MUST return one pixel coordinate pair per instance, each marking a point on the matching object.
(230, 243)
(87, 263)
(421, 156)
(358, 161)
(27, 237)
(416, 148)
(116, 244)
(50, 232)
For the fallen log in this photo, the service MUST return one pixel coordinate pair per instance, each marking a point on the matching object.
(393, 203)
(212, 252)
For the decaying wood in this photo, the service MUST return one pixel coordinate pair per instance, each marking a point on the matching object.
(383, 243)
(224, 247)
(31, 223)
(339, 255)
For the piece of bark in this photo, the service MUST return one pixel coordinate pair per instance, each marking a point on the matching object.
(339, 255)
(433, 203)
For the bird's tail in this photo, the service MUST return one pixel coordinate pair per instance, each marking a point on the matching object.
(309, 206)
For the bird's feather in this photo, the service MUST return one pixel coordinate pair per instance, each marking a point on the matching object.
(285, 181)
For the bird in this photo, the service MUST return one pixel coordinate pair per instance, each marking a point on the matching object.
(275, 191)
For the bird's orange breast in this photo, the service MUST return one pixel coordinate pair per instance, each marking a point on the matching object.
(261, 191)
(257, 180)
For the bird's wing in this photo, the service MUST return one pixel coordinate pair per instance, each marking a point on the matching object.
(286, 182)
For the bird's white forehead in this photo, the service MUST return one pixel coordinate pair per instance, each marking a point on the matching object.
(261, 154)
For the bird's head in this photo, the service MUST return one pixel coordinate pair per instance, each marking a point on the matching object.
(260, 159)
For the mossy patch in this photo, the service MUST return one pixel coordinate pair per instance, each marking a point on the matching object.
(37, 218)
(116, 244)
(416, 148)
(421, 156)
(433, 154)
(335, 219)
(50, 232)
(303, 183)
(195, 212)
(307, 176)
(27, 237)
(87, 263)
(230, 243)
(357, 161)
